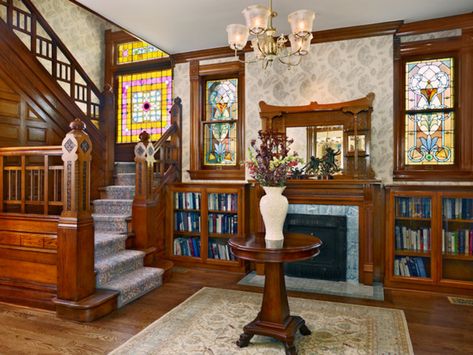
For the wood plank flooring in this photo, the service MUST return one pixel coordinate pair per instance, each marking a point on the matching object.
(435, 325)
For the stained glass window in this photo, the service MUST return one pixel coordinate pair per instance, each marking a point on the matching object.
(430, 118)
(138, 51)
(221, 122)
(143, 103)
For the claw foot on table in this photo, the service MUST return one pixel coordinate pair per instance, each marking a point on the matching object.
(304, 330)
(244, 340)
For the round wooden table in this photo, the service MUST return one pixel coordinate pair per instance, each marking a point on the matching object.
(274, 319)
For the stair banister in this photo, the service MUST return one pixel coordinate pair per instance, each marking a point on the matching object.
(75, 238)
(152, 176)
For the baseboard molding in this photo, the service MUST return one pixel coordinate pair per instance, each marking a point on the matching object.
(27, 293)
(101, 303)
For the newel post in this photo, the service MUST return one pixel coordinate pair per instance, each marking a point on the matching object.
(144, 206)
(108, 126)
(75, 238)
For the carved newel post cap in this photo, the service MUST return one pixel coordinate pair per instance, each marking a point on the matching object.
(144, 137)
(77, 125)
(177, 100)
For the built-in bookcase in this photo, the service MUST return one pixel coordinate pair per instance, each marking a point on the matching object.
(430, 237)
(203, 218)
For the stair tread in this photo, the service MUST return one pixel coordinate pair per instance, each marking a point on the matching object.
(114, 216)
(104, 236)
(111, 261)
(114, 200)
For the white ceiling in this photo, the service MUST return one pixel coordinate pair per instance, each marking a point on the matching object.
(186, 25)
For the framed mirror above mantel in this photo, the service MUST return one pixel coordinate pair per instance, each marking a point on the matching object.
(345, 127)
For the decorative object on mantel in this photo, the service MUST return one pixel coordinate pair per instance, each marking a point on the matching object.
(270, 164)
(325, 167)
(267, 47)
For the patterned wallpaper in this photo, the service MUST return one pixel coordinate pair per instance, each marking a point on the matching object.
(334, 71)
(82, 33)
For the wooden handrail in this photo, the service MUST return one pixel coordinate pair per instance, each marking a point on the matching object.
(31, 150)
(160, 160)
(49, 49)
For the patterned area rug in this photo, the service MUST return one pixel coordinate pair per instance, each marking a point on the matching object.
(210, 322)
(461, 301)
(338, 288)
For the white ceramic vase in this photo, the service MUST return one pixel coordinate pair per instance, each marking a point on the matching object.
(273, 207)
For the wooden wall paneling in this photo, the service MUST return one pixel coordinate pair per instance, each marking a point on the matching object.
(23, 74)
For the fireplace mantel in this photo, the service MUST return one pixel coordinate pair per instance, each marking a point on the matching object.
(367, 194)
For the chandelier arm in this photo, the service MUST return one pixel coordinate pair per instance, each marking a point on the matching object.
(288, 63)
(245, 61)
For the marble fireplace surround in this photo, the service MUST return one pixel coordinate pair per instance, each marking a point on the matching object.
(351, 213)
(361, 197)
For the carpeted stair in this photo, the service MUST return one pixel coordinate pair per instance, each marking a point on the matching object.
(117, 268)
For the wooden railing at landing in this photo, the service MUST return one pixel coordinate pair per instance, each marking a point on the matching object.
(157, 165)
(46, 228)
(31, 180)
(24, 18)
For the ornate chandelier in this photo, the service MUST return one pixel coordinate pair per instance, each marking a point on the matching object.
(267, 47)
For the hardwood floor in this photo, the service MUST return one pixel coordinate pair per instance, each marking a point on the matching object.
(435, 325)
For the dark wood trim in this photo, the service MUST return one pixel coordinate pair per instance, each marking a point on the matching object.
(338, 34)
(463, 21)
(199, 74)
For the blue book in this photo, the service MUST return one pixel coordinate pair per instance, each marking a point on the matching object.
(421, 267)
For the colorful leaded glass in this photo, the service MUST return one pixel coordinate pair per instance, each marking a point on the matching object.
(220, 126)
(144, 101)
(138, 51)
(429, 120)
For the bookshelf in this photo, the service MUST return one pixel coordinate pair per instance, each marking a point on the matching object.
(429, 238)
(202, 218)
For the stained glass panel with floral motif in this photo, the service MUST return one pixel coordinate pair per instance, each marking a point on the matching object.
(220, 122)
(429, 119)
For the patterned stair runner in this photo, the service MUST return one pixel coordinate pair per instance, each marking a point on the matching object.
(117, 268)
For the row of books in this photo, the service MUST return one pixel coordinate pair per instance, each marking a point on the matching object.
(187, 246)
(223, 223)
(219, 249)
(410, 266)
(187, 200)
(458, 208)
(412, 239)
(457, 242)
(223, 202)
(417, 207)
(187, 221)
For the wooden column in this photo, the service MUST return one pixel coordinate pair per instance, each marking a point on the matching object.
(144, 205)
(76, 296)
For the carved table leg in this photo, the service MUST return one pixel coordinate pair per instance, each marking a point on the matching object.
(290, 348)
(244, 340)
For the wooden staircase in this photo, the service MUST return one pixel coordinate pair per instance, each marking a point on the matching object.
(48, 252)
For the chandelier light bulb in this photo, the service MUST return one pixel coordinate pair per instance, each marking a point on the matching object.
(256, 17)
(301, 22)
(237, 36)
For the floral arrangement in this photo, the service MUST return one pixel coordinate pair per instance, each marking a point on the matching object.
(269, 161)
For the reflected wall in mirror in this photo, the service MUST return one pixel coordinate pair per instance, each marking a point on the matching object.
(299, 135)
(319, 138)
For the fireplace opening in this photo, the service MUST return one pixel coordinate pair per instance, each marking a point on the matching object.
(331, 263)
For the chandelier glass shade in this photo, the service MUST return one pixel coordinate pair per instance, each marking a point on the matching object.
(266, 46)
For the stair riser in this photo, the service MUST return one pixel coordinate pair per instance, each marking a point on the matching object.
(110, 208)
(112, 247)
(117, 270)
(125, 168)
(118, 192)
(125, 179)
(127, 296)
(111, 225)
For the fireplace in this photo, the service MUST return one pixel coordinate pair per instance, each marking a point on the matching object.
(331, 263)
